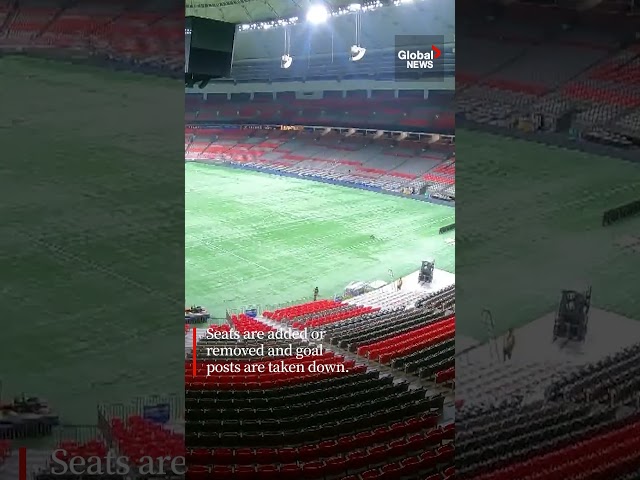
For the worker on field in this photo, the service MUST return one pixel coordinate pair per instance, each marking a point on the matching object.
(315, 294)
(399, 283)
(509, 343)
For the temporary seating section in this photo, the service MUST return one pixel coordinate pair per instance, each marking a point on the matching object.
(304, 425)
(92, 448)
(607, 455)
(137, 438)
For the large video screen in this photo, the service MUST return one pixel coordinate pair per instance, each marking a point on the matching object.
(208, 47)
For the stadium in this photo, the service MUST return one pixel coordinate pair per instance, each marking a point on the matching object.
(90, 68)
(548, 94)
(320, 227)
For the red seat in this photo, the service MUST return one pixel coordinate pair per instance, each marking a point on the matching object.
(434, 437)
(356, 460)
(328, 448)
(222, 456)
(266, 455)
(449, 431)
(336, 465)
(397, 447)
(378, 454)
(308, 452)
(244, 456)
(346, 443)
(445, 454)
(410, 466)
(416, 442)
(267, 472)
(363, 439)
(288, 455)
(391, 471)
(223, 471)
(428, 460)
(245, 472)
(380, 434)
(197, 456)
(372, 474)
(289, 471)
(197, 472)
(313, 470)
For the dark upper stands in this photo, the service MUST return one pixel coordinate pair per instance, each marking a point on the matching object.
(411, 111)
(584, 78)
(148, 34)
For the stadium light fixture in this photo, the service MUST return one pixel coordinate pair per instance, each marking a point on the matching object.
(286, 61)
(357, 53)
(354, 7)
(317, 14)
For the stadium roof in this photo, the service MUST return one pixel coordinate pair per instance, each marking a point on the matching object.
(250, 11)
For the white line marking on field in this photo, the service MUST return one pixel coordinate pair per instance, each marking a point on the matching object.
(227, 252)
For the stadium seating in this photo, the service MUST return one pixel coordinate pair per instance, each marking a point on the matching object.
(87, 449)
(138, 437)
(146, 36)
(410, 111)
(531, 421)
(388, 165)
(353, 424)
(490, 384)
(552, 74)
(614, 381)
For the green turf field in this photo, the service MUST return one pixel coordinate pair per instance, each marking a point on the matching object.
(255, 238)
(538, 230)
(69, 132)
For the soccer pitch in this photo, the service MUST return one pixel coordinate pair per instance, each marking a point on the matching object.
(70, 132)
(525, 236)
(259, 239)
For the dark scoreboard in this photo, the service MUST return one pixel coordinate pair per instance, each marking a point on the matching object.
(208, 47)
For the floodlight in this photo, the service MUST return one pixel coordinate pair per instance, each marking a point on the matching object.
(357, 53)
(354, 7)
(317, 14)
(286, 61)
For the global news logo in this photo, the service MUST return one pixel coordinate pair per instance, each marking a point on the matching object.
(418, 59)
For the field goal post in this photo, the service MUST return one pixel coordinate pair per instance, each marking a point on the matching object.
(487, 320)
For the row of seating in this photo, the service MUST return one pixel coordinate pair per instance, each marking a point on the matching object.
(520, 434)
(409, 342)
(610, 454)
(489, 384)
(612, 381)
(370, 162)
(422, 430)
(339, 467)
(396, 114)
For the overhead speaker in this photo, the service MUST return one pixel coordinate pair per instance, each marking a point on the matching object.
(286, 61)
(357, 53)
